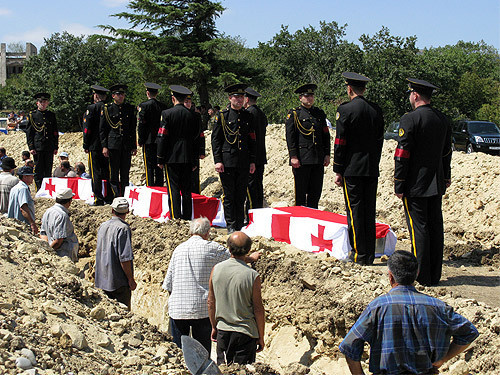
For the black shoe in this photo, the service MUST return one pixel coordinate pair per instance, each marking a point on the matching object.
(99, 203)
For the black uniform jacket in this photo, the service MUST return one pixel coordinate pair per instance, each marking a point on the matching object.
(91, 120)
(233, 138)
(423, 155)
(42, 133)
(177, 136)
(307, 135)
(200, 140)
(359, 138)
(117, 127)
(149, 121)
(260, 123)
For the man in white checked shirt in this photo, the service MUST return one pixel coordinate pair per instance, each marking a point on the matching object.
(187, 282)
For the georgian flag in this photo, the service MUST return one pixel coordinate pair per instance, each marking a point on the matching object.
(81, 187)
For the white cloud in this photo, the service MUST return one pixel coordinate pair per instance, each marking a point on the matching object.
(34, 36)
(114, 3)
(78, 29)
(5, 12)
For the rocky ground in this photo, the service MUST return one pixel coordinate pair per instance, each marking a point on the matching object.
(51, 308)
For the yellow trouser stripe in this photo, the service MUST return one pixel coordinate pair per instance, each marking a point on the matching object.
(249, 199)
(109, 166)
(145, 165)
(352, 223)
(171, 202)
(411, 227)
(91, 167)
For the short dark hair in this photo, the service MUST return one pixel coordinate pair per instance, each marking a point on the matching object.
(403, 266)
(26, 153)
(2, 150)
(66, 164)
(80, 167)
(63, 201)
(239, 249)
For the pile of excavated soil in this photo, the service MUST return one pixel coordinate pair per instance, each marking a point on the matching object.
(311, 300)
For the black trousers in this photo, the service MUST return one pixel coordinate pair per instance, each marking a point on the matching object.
(255, 191)
(425, 224)
(201, 330)
(235, 347)
(308, 184)
(195, 179)
(99, 170)
(122, 294)
(119, 169)
(178, 178)
(234, 185)
(154, 174)
(43, 166)
(360, 194)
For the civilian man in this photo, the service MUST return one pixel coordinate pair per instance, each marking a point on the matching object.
(235, 305)
(421, 175)
(7, 182)
(21, 204)
(58, 171)
(187, 281)
(408, 332)
(57, 228)
(114, 270)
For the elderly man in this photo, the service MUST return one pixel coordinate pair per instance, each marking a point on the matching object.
(408, 332)
(57, 228)
(114, 270)
(7, 182)
(187, 281)
(21, 204)
(235, 305)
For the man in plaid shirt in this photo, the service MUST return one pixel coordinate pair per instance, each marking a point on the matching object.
(187, 282)
(408, 332)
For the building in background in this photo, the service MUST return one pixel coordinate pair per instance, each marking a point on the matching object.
(12, 62)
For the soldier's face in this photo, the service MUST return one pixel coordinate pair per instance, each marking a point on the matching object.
(236, 101)
(307, 100)
(188, 102)
(412, 99)
(42, 104)
(119, 97)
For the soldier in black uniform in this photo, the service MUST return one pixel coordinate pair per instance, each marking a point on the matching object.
(199, 145)
(233, 147)
(43, 137)
(149, 113)
(255, 191)
(176, 150)
(98, 164)
(358, 146)
(421, 175)
(308, 141)
(118, 138)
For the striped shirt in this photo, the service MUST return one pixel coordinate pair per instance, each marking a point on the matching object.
(407, 331)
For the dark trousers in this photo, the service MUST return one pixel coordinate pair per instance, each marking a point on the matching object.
(235, 347)
(425, 224)
(99, 170)
(255, 191)
(154, 174)
(234, 185)
(360, 194)
(195, 179)
(178, 178)
(119, 169)
(201, 329)
(122, 294)
(43, 166)
(308, 184)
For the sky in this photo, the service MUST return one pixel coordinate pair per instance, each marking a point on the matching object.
(434, 22)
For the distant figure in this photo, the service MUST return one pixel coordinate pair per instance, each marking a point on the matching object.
(114, 270)
(235, 305)
(7, 182)
(3, 153)
(58, 171)
(21, 204)
(80, 170)
(12, 121)
(25, 155)
(64, 170)
(408, 332)
(57, 228)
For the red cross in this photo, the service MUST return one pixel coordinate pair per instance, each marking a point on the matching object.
(50, 187)
(134, 194)
(320, 241)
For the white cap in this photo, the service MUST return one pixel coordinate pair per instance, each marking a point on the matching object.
(64, 193)
(120, 205)
(64, 154)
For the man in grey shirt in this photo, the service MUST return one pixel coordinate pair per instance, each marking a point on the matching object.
(57, 228)
(21, 204)
(114, 271)
(7, 182)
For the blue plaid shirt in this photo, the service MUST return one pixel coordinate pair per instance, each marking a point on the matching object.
(407, 331)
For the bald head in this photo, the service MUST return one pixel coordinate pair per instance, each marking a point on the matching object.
(239, 244)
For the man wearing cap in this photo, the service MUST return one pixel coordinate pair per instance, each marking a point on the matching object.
(7, 182)
(57, 228)
(98, 164)
(43, 137)
(177, 152)
(117, 129)
(308, 141)
(233, 147)
(21, 204)
(149, 114)
(114, 270)
(255, 191)
(422, 173)
(358, 147)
